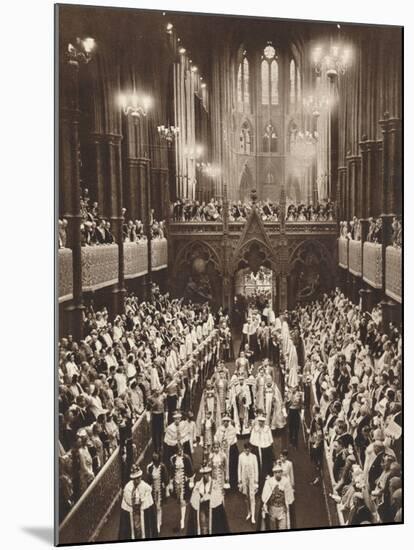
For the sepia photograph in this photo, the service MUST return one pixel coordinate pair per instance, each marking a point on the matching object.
(228, 275)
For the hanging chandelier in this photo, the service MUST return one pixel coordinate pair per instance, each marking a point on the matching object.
(314, 105)
(168, 133)
(135, 105)
(304, 144)
(81, 51)
(334, 60)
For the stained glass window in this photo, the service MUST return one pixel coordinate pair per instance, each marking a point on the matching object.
(274, 82)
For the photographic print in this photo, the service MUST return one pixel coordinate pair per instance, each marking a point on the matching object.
(229, 240)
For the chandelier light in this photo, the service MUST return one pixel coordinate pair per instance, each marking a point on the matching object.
(304, 145)
(168, 133)
(80, 52)
(334, 60)
(314, 104)
(135, 105)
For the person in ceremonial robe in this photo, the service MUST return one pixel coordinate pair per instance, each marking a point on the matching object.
(248, 480)
(181, 480)
(158, 479)
(294, 404)
(260, 389)
(177, 434)
(217, 460)
(221, 387)
(261, 440)
(209, 403)
(292, 364)
(274, 408)
(207, 515)
(277, 496)
(242, 364)
(138, 517)
(207, 432)
(241, 402)
(285, 335)
(226, 436)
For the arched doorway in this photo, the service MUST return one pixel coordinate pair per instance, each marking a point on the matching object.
(256, 288)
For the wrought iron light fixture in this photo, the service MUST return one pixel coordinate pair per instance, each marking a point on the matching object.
(335, 60)
(314, 104)
(80, 52)
(168, 133)
(135, 105)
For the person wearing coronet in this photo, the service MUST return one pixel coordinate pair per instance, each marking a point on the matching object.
(207, 515)
(277, 496)
(138, 516)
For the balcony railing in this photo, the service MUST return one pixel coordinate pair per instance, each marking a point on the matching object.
(367, 260)
(135, 259)
(293, 227)
(65, 274)
(372, 272)
(159, 254)
(343, 252)
(393, 273)
(100, 265)
(355, 257)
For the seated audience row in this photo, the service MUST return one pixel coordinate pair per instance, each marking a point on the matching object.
(355, 366)
(118, 371)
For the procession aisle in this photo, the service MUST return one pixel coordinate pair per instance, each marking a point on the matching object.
(310, 509)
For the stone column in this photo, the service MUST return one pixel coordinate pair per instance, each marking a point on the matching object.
(395, 167)
(69, 184)
(386, 241)
(391, 165)
(354, 186)
(115, 186)
(364, 224)
(341, 197)
(96, 144)
(133, 197)
(366, 175)
(147, 225)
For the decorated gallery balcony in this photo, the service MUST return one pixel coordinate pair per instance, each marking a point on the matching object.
(186, 228)
(374, 255)
(100, 264)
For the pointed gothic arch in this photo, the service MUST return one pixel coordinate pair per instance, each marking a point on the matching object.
(254, 247)
(246, 182)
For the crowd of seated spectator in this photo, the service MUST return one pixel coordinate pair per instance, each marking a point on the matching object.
(108, 379)
(352, 230)
(186, 210)
(269, 211)
(192, 210)
(95, 230)
(62, 232)
(355, 366)
(313, 212)
(397, 237)
(134, 231)
(374, 230)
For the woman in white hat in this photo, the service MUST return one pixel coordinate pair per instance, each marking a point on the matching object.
(138, 518)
